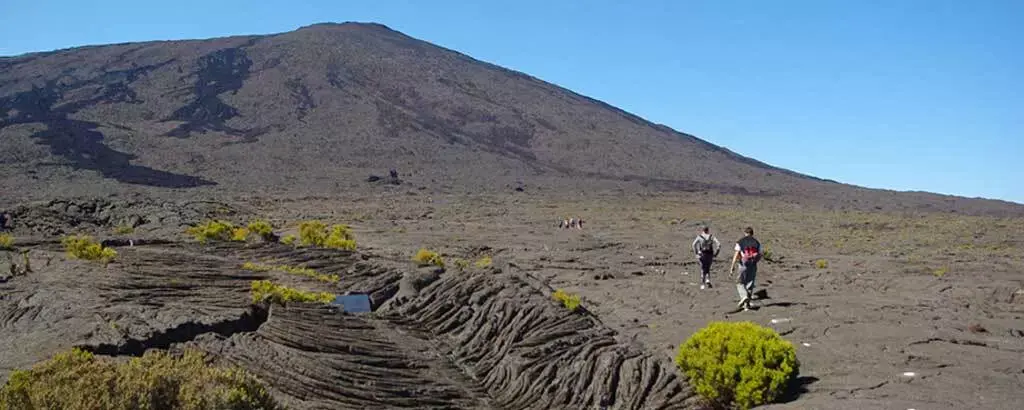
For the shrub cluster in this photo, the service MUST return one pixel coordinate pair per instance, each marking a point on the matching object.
(295, 270)
(212, 230)
(738, 364)
(84, 247)
(315, 233)
(76, 380)
(218, 230)
(240, 234)
(263, 229)
(484, 262)
(6, 241)
(821, 264)
(571, 302)
(267, 291)
(426, 257)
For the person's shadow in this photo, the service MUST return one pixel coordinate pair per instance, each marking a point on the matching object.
(763, 295)
(796, 388)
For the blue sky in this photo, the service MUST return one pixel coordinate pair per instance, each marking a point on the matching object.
(897, 94)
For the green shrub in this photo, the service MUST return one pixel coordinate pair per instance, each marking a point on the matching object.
(771, 256)
(425, 257)
(484, 262)
(267, 291)
(77, 380)
(741, 364)
(460, 263)
(263, 229)
(940, 272)
(570, 301)
(84, 247)
(341, 238)
(288, 240)
(124, 229)
(212, 230)
(295, 270)
(312, 233)
(6, 241)
(821, 264)
(315, 233)
(240, 234)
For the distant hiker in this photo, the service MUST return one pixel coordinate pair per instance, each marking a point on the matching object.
(570, 223)
(706, 248)
(6, 221)
(748, 253)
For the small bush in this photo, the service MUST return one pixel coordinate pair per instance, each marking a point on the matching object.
(263, 229)
(288, 240)
(212, 230)
(77, 380)
(460, 263)
(771, 256)
(821, 264)
(571, 302)
(315, 233)
(484, 262)
(240, 234)
(84, 247)
(940, 272)
(124, 230)
(341, 238)
(312, 233)
(257, 267)
(741, 364)
(295, 270)
(6, 241)
(267, 291)
(425, 257)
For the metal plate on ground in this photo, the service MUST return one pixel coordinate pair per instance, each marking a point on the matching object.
(353, 303)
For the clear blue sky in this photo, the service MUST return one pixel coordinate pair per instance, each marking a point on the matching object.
(898, 94)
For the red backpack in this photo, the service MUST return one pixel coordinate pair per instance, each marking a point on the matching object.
(749, 250)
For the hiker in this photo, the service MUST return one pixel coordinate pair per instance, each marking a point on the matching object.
(748, 253)
(6, 221)
(706, 247)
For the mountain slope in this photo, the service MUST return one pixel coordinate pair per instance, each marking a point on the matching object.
(319, 108)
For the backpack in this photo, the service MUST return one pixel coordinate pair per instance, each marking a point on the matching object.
(707, 245)
(749, 250)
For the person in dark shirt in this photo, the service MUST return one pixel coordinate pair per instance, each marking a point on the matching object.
(748, 254)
